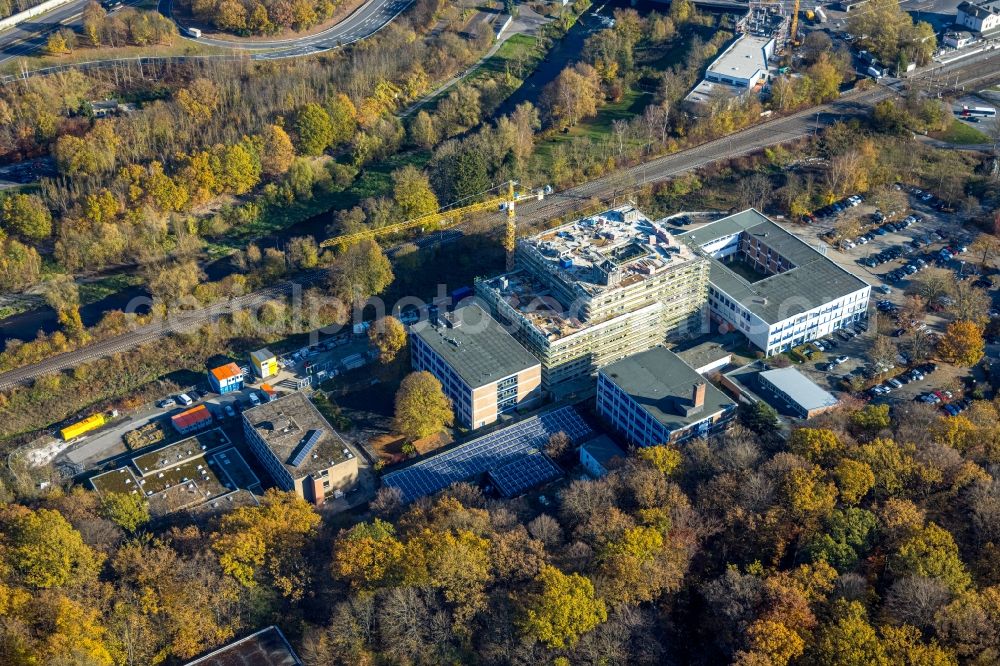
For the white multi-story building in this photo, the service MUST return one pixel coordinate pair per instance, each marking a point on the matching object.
(772, 287)
(981, 18)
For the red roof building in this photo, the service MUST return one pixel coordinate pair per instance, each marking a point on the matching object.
(192, 419)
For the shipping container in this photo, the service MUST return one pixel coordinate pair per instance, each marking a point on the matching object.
(80, 427)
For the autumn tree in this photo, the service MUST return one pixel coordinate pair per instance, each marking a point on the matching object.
(573, 95)
(962, 343)
(368, 555)
(360, 272)
(815, 444)
(314, 129)
(422, 409)
(129, 511)
(303, 252)
(389, 337)
(277, 152)
(26, 215)
(423, 133)
(44, 550)
(933, 553)
(890, 33)
(666, 457)
(343, 119)
(63, 296)
(882, 353)
(199, 100)
(93, 22)
(412, 192)
(265, 544)
(562, 609)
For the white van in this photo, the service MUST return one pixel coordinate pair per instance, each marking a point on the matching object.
(193, 32)
(184, 399)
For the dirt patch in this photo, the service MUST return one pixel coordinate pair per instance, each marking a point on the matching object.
(389, 447)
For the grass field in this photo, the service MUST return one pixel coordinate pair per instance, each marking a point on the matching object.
(91, 292)
(962, 134)
(631, 104)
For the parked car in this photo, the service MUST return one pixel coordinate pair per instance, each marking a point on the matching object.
(841, 359)
(230, 412)
(184, 399)
(166, 402)
(895, 383)
(254, 400)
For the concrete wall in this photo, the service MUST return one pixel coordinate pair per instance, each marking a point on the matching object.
(21, 17)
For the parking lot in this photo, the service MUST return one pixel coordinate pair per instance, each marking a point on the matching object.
(893, 251)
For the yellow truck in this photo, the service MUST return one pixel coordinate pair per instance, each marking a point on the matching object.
(80, 427)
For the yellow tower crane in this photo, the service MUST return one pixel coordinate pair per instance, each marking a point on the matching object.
(793, 31)
(439, 220)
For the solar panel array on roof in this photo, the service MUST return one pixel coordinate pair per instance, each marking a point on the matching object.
(306, 447)
(524, 473)
(486, 453)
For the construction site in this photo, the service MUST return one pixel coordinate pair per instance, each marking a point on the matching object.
(598, 289)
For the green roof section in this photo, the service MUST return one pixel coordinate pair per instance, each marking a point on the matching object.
(475, 345)
(813, 280)
(662, 384)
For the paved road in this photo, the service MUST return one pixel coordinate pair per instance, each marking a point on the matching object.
(29, 37)
(748, 141)
(363, 22)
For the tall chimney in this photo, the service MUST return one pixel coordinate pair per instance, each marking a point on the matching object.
(698, 395)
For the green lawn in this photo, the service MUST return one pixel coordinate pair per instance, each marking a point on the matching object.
(631, 104)
(91, 292)
(962, 134)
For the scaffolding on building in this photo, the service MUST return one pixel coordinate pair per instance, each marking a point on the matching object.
(766, 18)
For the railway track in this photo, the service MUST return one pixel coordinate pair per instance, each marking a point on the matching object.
(780, 130)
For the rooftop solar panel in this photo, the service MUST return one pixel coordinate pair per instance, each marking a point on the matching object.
(306, 447)
(485, 453)
(524, 473)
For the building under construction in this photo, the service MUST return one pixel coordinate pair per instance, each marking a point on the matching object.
(596, 290)
(766, 19)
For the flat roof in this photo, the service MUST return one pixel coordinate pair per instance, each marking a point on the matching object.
(287, 424)
(621, 239)
(798, 388)
(182, 475)
(980, 9)
(262, 355)
(662, 384)
(151, 462)
(603, 449)
(813, 280)
(475, 345)
(701, 354)
(743, 58)
(267, 647)
(223, 504)
(707, 91)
